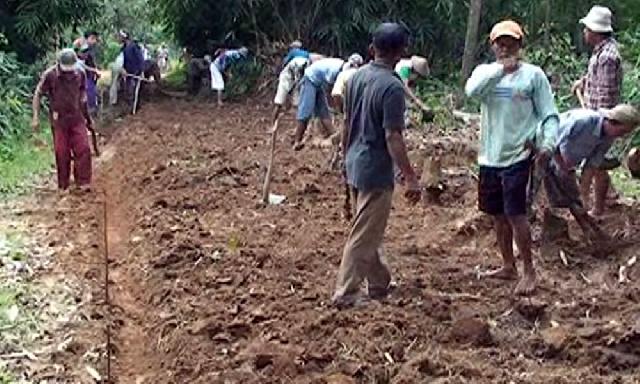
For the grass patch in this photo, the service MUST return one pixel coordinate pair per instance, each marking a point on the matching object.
(6, 377)
(625, 184)
(176, 77)
(21, 160)
(8, 298)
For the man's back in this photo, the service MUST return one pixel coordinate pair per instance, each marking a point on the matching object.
(374, 103)
(604, 77)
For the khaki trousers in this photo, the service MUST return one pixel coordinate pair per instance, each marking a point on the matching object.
(362, 258)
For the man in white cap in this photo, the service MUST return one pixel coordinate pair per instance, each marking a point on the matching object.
(601, 87)
(65, 87)
(584, 134)
(409, 71)
(516, 99)
(354, 62)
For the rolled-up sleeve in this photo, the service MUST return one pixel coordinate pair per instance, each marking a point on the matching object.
(547, 112)
(393, 109)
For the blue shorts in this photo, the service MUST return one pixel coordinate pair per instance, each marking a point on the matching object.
(313, 102)
(503, 191)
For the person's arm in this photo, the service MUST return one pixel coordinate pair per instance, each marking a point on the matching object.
(41, 89)
(545, 107)
(393, 123)
(483, 79)
(84, 108)
(415, 99)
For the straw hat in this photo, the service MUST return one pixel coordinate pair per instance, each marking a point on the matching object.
(420, 65)
(67, 59)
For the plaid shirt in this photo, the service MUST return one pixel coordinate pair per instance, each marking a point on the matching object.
(603, 83)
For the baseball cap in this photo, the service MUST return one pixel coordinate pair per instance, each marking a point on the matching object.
(355, 60)
(506, 28)
(390, 36)
(67, 59)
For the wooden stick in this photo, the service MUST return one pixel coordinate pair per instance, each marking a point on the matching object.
(136, 96)
(267, 179)
(580, 98)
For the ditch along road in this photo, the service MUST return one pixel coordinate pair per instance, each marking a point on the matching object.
(209, 286)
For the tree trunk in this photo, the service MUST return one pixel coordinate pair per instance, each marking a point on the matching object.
(547, 23)
(471, 40)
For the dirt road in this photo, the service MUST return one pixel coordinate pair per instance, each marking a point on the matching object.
(207, 286)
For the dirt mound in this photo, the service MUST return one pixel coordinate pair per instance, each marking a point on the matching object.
(212, 287)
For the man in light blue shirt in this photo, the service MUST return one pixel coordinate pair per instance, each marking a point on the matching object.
(516, 99)
(318, 77)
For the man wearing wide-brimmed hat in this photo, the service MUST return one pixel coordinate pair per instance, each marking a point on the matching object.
(516, 99)
(601, 87)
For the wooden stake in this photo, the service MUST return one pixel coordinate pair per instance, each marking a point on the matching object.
(267, 179)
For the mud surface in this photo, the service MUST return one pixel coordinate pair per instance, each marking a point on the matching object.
(208, 286)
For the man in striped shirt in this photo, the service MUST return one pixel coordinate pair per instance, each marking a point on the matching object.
(601, 87)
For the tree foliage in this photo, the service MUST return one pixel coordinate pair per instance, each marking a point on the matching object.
(34, 26)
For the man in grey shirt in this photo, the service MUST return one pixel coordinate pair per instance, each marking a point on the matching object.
(374, 108)
(583, 134)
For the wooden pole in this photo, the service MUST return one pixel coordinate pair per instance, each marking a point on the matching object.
(267, 179)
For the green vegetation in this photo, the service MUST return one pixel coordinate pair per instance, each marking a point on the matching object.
(177, 75)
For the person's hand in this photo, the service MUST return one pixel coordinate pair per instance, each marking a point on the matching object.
(562, 164)
(35, 125)
(413, 192)
(510, 64)
(577, 86)
(542, 158)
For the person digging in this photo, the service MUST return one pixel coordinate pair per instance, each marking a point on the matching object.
(410, 70)
(65, 87)
(583, 134)
(516, 99)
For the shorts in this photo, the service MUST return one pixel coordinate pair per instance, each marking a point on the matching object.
(503, 191)
(217, 81)
(285, 85)
(562, 188)
(313, 102)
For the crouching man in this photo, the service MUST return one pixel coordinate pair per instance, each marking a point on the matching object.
(584, 134)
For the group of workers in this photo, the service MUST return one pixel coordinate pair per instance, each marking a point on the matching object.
(521, 128)
(521, 132)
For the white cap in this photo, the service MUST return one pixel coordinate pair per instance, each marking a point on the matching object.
(355, 60)
(598, 20)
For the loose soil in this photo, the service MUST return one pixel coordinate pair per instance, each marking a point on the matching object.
(209, 286)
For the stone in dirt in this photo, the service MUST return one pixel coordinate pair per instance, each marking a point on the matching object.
(554, 228)
(471, 330)
(556, 339)
(531, 309)
(339, 378)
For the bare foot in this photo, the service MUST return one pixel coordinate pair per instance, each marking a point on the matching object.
(526, 285)
(503, 273)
